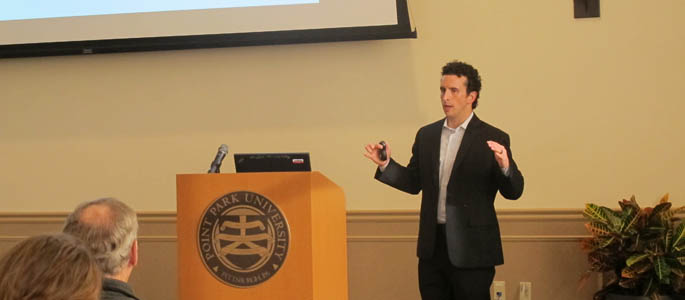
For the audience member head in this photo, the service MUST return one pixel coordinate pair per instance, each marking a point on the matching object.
(109, 229)
(49, 267)
(462, 69)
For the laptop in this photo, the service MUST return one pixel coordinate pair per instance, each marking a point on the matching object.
(272, 162)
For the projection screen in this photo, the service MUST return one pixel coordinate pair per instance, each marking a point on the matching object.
(45, 27)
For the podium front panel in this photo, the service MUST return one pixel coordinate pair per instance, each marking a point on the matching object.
(219, 202)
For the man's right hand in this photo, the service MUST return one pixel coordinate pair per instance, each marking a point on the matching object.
(373, 153)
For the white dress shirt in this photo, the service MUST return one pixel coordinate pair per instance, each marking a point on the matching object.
(450, 140)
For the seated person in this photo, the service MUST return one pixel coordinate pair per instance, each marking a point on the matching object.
(49, 267)
(109, 228)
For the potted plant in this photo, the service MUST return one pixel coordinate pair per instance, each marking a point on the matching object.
(640, 251)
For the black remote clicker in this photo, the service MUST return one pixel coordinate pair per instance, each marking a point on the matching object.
(382, 153)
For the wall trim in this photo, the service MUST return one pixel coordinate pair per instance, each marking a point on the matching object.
(505, 238)
(352, 215)
(58, 217)
(149, 238)
(502, 214)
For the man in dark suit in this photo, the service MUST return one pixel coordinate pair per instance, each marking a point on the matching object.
(458, 163)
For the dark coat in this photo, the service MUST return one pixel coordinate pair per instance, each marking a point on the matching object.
(472, 230)
(113, 289)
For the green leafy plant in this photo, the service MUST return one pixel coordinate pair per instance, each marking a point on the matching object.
(640, 251)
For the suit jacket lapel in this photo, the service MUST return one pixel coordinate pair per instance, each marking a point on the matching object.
(434, 135)
(469, 138)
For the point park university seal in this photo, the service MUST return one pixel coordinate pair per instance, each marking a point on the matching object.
(243, 239)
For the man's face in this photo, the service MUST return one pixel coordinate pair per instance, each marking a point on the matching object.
(456, 102)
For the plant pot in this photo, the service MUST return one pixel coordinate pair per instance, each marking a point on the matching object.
(628, 297)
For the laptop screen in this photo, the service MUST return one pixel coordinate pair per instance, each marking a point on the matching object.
(272, 162)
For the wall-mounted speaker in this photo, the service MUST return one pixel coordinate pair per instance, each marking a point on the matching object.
(586, 9)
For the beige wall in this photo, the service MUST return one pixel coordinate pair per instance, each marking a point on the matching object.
(593, 107)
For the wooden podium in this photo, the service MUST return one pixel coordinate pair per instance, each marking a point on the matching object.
(218, 205)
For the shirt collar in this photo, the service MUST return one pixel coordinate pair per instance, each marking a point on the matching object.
(463, 125)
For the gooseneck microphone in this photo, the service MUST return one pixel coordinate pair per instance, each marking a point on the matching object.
(216, 163)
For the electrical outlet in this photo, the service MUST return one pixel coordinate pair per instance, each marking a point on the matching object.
(498, 289)
(525, 290)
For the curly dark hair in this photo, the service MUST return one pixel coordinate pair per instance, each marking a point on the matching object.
(460, 69)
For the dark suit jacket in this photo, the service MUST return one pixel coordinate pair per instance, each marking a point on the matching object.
(472, 231)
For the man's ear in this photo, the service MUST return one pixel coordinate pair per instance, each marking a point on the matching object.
(133, 261)
(472, 96)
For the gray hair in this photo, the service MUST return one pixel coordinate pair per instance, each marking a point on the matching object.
(109, 238)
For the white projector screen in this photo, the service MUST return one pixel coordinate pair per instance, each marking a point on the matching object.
(48, 27)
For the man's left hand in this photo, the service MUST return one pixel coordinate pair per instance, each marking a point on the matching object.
(500, 154)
